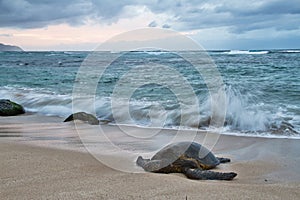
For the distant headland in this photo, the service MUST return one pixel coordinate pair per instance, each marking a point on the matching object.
(4, 47)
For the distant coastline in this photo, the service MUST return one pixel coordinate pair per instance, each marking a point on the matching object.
(4, 47)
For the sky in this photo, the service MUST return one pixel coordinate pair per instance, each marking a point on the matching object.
(214, 24)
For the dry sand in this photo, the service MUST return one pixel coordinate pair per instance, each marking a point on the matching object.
(34, 168)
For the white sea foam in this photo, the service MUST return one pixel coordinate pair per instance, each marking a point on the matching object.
(156, 52)
(236, 52)
(290, 51)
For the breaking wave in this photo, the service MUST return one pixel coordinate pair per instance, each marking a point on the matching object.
(237, 52)
(244, 113)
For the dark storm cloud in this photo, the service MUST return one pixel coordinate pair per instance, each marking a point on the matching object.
(270, 7)
(34, 13)
(238, 16)
(40, 13)
(278, 14)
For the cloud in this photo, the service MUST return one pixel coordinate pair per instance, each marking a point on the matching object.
(33, 14)
(166, 26)
(37, 14)
(153, 24)
(270, 7)
(235, 16)
(239, 16)
(253, 15)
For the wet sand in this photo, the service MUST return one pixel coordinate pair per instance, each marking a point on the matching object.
(43, 158)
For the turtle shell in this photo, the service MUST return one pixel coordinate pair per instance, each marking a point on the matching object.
(186, 150)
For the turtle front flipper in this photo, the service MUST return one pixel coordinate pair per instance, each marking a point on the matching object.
(223, 160)
(149, 165)
(199, 174)
(141, 161)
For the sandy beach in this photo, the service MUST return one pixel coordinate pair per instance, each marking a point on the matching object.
(43, 158)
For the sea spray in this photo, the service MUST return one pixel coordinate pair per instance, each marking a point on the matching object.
(244, 113)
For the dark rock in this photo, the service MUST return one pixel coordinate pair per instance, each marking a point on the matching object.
(204, 122)
(9, 108)
(91, 119)
(4, 47)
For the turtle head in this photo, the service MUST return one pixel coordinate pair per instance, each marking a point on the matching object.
(207, 159)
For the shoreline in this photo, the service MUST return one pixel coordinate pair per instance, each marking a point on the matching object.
(47, 160)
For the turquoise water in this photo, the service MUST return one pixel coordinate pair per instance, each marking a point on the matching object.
(262, 88)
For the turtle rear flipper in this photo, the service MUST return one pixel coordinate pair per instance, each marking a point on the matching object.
(199, 174)
(223, 160)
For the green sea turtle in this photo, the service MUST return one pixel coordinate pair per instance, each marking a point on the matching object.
(189, 158)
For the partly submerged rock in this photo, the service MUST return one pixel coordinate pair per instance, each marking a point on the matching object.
(91, 119)
(10, 108)
(104, 121)
(284, 128)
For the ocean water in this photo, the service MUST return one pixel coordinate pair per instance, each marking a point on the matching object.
(262, 88)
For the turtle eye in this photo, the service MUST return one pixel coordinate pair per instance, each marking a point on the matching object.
(201, 165)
